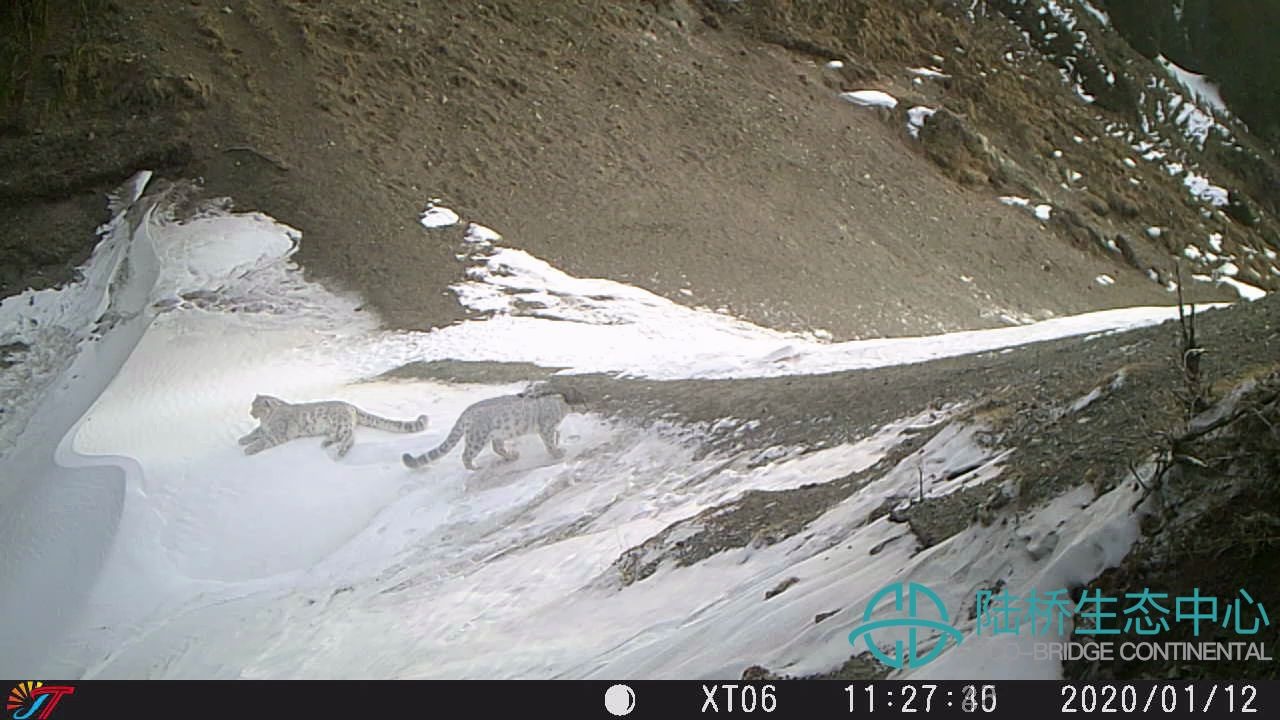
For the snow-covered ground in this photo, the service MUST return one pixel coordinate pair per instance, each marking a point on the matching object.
(140, 542)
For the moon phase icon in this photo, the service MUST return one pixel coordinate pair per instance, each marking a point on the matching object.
(619, 700)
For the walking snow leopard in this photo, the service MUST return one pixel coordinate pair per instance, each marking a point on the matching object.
(280, 421)
(507, 417)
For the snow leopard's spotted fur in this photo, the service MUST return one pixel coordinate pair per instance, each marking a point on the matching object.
(499, 419)
(280, 421)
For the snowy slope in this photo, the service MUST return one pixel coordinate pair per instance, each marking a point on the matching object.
(140, 542)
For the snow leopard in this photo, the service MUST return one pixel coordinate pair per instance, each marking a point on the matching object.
(280, 421)
(498, 420)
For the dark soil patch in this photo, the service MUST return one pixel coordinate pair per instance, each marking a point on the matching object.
(454, 371)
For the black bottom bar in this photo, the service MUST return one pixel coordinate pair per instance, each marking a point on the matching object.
(245, 700)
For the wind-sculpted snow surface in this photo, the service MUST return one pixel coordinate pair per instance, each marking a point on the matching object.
(141, 542)
(56, 522)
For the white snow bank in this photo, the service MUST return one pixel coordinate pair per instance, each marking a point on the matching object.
(53, 323)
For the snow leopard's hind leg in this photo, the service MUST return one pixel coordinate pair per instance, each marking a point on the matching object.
(551, 439)
(501, 449)
(341, 437)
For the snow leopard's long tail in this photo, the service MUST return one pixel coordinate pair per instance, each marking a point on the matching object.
(455, 436)
(381, 423)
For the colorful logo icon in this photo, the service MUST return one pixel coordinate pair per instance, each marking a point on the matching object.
(33, 700)
(912, 620)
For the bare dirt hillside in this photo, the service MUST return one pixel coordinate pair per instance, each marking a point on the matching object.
(700, 150)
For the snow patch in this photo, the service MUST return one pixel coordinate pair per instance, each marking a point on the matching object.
(916, 117)
(870, 98)
(480, 235)
(1243, 289)
(1201, 188)
(1042, 211)
(1205, 92)
(1246, 291)
(927, 72)
(437, 216)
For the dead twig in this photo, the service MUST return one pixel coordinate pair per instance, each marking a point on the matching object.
(1191, 349)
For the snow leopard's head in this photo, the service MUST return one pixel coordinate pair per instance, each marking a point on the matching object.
(263, 405)
(572, 396)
